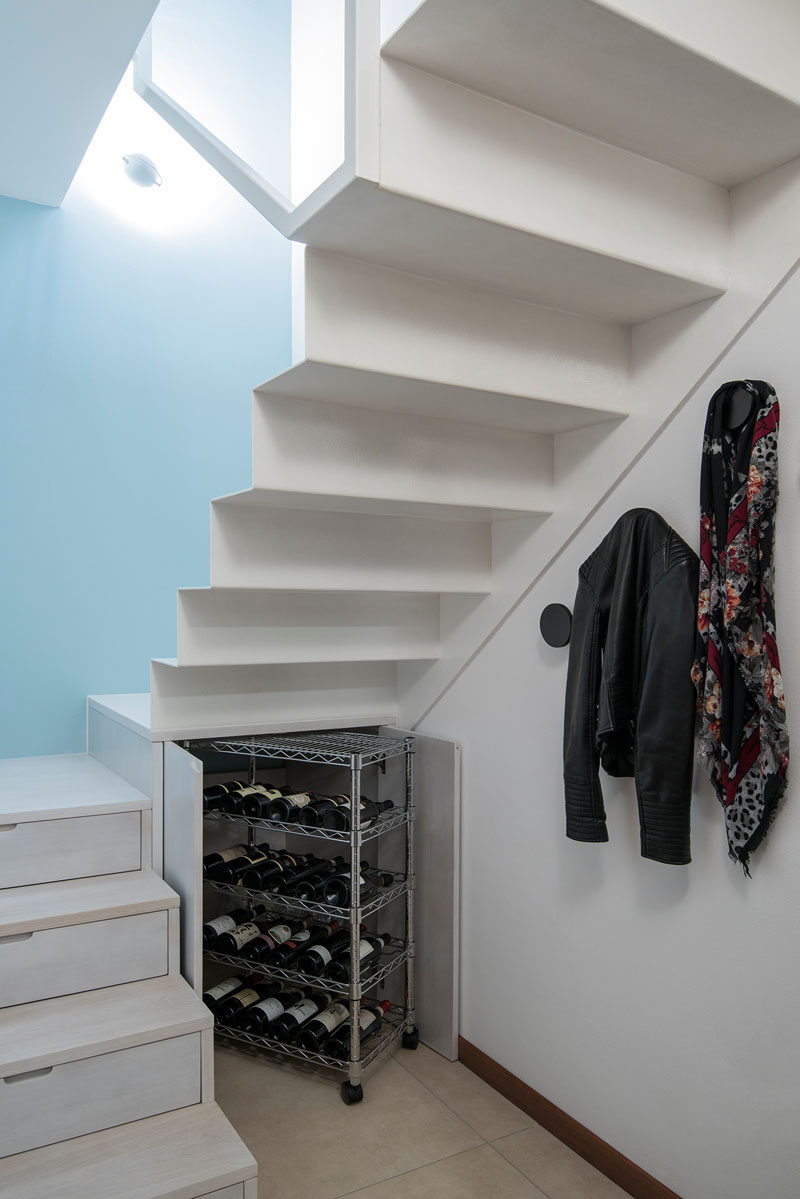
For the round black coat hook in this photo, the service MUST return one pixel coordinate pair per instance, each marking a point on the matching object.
(556, 624)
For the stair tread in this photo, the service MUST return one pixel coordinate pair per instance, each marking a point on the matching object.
(370, 506)
(49, 788)
(178, 1155)
(72, 1027)
(316, 380)
(82, 900)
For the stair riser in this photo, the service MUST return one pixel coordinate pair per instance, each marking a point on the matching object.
(224, 627)
(297, 550)
(85, 957)
(75, 1098)
(395, 323)
(361, 451)
(201, 701)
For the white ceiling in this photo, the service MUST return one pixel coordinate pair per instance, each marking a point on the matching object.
(60, 63)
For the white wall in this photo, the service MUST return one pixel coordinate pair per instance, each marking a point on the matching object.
(656, 1004)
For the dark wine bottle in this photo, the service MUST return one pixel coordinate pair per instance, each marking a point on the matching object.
(234, 801)
(296, 884)
(259, 1016)
(232, 870)
(260, 948)
(257, 805)
(286, 1027)
(311, 814)
(212, 862)
(369, 951)
(235, 939)
(215, 994)
(231, 1007)
(224, 923)
(337, 888)
(259, 875)
(339, 816)
(314, 959)
(318, 934)
(319, 1028)
(370, 1019)
(288, 807)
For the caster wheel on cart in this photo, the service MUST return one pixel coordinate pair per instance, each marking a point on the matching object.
(411, 1038)
(351, 1094)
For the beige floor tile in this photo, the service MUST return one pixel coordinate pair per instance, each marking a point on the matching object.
(477, 1174)
(559, 1172)
(310, 1145)
(469, 1096)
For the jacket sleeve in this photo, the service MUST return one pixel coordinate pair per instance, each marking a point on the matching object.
(666, 716)
(586, 817)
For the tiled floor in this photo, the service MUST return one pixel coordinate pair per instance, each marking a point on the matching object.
(426, 1129)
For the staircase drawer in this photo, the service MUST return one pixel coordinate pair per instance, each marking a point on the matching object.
(46, 851)
(82, 957)
(234, 1192)
(74, 1098)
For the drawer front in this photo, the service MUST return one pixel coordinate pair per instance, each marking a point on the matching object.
(82, 957)
(234, 1192)
(75, 1098)
(47, 851)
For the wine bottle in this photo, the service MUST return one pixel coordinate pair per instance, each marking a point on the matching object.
(259, 1016)
(231, 1007)
(213, 995)
(234, 801)
(313, 959)
(369, 951)
(337, 888)
(224, 923)
(215, 861)
(320, 1027)
(311, 814)
(370, 1019)
(260, 948)
(287, 807)
(286, 1027)
(317, 934)
(234, 940)
(259, 875)
(297, 886)
(231, 870)
(339, 816)
(257, 804)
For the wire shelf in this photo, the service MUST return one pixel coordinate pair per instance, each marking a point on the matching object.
(395, 1023)
(400, 885)
(384, 823)
(330, 749)
(397, 955)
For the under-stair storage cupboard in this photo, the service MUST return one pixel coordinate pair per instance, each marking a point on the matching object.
(106, 1053)
(424, 881)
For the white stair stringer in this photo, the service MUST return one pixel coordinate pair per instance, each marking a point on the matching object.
(494, 316)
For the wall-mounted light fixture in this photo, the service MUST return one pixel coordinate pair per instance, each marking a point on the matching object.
(141, 170)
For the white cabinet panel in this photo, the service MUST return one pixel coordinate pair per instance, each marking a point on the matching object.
(46, 851)
(74, 1098)
(82, 957)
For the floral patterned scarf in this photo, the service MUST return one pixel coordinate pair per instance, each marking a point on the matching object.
(744, 745)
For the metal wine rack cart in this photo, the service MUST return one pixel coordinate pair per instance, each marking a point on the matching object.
(353, 750)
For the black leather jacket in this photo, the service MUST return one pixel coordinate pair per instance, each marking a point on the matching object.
(630, 702)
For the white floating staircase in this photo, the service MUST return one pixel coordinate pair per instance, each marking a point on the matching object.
(552, 219)
(106, 1053)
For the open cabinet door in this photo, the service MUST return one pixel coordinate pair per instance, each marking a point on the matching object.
(183, 852)
(437, 791)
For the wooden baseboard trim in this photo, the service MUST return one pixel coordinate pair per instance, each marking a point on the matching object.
(599, 1153)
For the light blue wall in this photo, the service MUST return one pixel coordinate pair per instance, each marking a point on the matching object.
(127, 358)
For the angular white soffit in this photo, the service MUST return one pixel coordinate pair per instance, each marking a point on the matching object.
(60, 64)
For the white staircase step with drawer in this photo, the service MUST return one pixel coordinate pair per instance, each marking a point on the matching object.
(219, 626)
(63, 937)
(342, 449)
(52, 788)
(671, 82)
(192, 1153)
(76, 1064)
